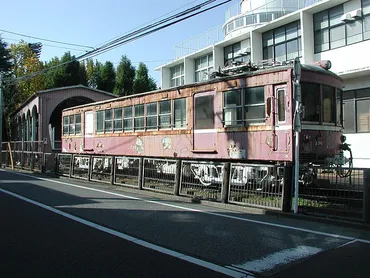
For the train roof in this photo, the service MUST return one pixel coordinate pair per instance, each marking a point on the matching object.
(304, 67)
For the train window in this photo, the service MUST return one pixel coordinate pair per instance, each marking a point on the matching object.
(233, 107)
(99, 121)
(311, 102)
(65, 125)
(78, 124)
(139, 117)
(204, 112)
(127, 118)
(108, 125)
(254, 108)
(151, 116)
(72, 124)
(180, 113)
(117, 119)
(329, 103)
(165, 114)
(339, 107)
(281, 105)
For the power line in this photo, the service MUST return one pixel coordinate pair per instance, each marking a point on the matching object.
(60, 42)
(49, 45)
(117, 42)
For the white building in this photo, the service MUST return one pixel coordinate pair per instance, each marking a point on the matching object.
(314, 30)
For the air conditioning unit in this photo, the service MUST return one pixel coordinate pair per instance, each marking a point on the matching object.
(356, 13)
(346, 17)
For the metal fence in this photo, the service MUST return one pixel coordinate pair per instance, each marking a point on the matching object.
(256, 185)
(159, 175)
(331, 193)
(64, 163)
(80, 168)
(102, 167)
(126, 171)
(22, 154)
(202, 179)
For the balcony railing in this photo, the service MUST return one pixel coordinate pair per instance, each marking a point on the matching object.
(269, 11)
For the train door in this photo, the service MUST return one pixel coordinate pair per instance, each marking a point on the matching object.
(205, 133)
(281, 125)
(88, 130)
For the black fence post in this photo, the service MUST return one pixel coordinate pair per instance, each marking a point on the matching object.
(113, 171)
(287, 188)
(140, 180)
(366, 195)
(90, 169)
(177, 178)
(225, 182)
(22, 154)
(56, 166)
(71, 165)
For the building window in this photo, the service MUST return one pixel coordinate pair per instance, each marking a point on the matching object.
(203, 67)
(139, 117)
(117, 120)
(127, 118)
(232, 53)
(356, 111)
(177, 75)
(165, 114)
(244, 106)
(283, 43)
(331, 32)
(151, 116)
(179, 113)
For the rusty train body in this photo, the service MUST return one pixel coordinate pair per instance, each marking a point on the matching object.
(244, 117)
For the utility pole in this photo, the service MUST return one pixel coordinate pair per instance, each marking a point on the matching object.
(1, 114)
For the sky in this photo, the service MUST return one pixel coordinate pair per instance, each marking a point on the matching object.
(93, 22)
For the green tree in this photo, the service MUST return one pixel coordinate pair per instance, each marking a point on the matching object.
(142, 82)
(108, 77)
(125, 77)
(93, 73)
(65, 71)
(10, 94)
(25, 63)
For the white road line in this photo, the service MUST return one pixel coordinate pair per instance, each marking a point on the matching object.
(280, 258)
(143, 243)
(245, 219)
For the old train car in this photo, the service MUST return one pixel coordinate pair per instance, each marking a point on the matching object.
(244, 116)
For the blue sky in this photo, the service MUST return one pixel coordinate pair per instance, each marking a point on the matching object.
(93, 22)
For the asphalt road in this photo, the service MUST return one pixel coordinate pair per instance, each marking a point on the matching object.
(62, 227)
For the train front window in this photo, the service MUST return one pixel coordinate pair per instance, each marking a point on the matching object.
(165, 114)
(328, 103)
(108, 121)
(204, 112)
(180, 113)
(117, 119)
(151, 115)
(310, 102)
(99, 121)
(65, 125)
(139, 117)
(254, 109)
(127, 118)
(78, 124)
(233, 114)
